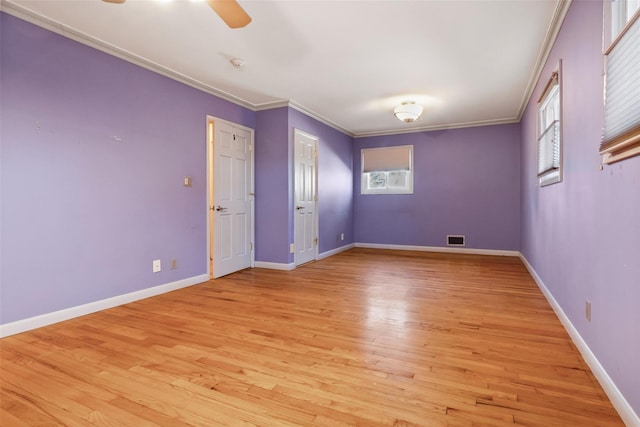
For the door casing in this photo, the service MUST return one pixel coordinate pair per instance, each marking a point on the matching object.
(308, 255)
(210, 137)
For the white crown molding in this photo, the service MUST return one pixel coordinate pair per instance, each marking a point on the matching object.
(271, 105)
(626, 412)
(562, 7)
(35, 18)
(318, 117)
(438, 127)
(92, 307)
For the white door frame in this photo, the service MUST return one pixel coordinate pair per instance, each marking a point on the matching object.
(316, 245)
(210, 161)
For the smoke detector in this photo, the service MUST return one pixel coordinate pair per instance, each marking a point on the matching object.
(237, 62)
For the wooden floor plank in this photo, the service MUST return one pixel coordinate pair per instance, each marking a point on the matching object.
(363, 338)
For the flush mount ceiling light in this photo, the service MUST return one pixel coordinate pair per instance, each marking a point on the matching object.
(408, 112)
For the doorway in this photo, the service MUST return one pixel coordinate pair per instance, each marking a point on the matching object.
(230, 197)
(306, 197)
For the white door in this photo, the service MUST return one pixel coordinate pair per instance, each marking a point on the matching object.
(305, 217)
(231, 198)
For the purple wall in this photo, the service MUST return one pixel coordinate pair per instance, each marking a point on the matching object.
(466, 181)
(582, 236)
(84, 215)
(273, 213)
(335, 180)
(275, 183)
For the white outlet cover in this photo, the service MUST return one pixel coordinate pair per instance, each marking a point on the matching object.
(156, 266)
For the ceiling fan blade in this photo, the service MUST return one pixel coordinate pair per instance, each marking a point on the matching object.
(231, 12)
(114, 1)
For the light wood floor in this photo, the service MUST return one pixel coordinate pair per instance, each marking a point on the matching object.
(367, 338)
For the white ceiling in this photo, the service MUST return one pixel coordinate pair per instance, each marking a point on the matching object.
(349, 63)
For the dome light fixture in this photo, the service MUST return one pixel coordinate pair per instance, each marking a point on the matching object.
(408, 112)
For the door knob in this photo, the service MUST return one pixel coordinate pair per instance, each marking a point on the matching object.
(299, 207)
(220, 209)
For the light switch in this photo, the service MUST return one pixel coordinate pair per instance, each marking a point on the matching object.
(186, 181)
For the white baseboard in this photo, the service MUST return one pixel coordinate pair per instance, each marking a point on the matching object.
(292, 266)
(275, 265)
(81, 310)
(335, 251)
(626, 412)
(455, 250)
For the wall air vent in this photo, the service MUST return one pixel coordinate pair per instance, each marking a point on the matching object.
(455, 240)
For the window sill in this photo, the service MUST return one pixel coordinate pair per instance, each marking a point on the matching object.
(549, 178)
(616, 151)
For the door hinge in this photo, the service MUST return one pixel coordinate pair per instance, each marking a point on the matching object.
(234, 136)
(315, 241)
(250, 246)
(250, 148)
(315, 198)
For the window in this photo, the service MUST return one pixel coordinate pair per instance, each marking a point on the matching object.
(621, 13)
(621, 136)
(549, 132)
(387, 170)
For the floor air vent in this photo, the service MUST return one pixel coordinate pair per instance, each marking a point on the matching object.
(455, 240)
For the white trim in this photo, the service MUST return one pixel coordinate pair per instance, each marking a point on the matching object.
(626, 412)
(271, 105)
(294, 105)
(299, 135)
(562, 7)
(275, 265)
(210, 139)
(336, 251)
(469, 251)
(81, 310)
(449, 126)
(35, 18)
(52, 25)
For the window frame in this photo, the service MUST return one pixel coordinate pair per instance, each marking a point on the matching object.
(553, 88)
(618, 20)
(365, 189)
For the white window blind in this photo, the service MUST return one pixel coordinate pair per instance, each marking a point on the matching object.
(549, 149)
(550, 131)
(621, 136)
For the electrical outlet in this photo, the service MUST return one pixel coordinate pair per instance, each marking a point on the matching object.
(588, 310)
(174, 264)
(292, 248)
(156, 266)
(341, 236)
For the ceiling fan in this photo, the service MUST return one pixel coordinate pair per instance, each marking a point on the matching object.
(229, 10)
